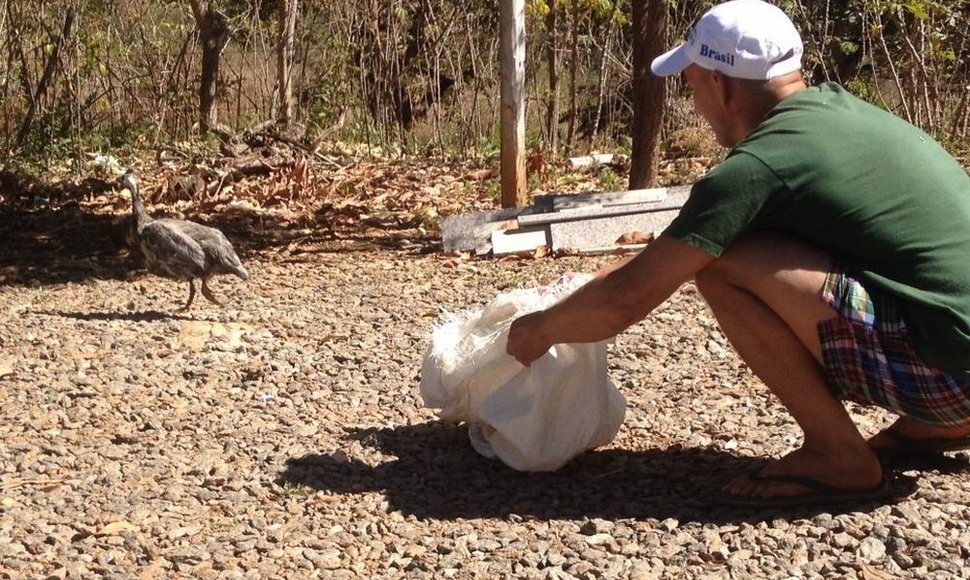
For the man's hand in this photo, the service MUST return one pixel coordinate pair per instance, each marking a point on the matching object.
(526, 340)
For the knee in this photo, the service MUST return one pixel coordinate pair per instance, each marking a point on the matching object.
(739, 265)
(712, 280)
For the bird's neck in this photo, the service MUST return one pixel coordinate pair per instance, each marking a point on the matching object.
(138, 208)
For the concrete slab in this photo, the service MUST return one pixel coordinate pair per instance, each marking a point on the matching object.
(566, 201)
(473, 231)
(593, 212)
(678, 194)
(605, 231)
(583, 221)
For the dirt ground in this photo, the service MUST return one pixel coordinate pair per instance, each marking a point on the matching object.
(282, 435)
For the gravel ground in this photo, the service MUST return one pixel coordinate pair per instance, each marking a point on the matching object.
(283, 436)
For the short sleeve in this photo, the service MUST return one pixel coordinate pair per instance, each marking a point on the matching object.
(725, 203)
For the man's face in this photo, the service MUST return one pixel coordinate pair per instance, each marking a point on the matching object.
(707, 101)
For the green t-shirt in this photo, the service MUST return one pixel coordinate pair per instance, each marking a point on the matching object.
(878, 194)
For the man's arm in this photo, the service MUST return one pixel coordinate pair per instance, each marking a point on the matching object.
(620, 295)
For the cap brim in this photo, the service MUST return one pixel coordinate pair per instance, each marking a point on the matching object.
(671, 62)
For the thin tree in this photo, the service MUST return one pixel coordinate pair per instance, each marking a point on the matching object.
(573, 64)
(287, 13)
(649, 22)
(51, 68)
(512, 50)
(213, 36)
(552, 61)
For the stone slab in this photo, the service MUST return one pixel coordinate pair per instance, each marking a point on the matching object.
(473, 231)
(593, 212)
(605, 231)
(560, 201)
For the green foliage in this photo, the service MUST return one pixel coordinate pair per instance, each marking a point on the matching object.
(615, 10)
(493, 190)
(624, 144)
(128, 74)
(490, 149)
(848, 47)
(864, 90)
(609, 180)
(533, 182)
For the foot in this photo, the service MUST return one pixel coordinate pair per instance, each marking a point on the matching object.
(907, 440)
(850, 470)
(912, 430)
(208, 293)
(188, 302)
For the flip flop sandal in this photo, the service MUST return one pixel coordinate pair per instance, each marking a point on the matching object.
(909, 448)
(820, 494)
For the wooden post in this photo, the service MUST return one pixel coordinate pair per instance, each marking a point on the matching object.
(512, 58)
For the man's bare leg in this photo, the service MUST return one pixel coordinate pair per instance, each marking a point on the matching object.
(764, 292)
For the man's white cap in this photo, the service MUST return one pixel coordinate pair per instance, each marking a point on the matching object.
(745, 39)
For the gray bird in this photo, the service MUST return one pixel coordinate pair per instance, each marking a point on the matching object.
(181, 249)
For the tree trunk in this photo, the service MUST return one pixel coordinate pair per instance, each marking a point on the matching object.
(573, 58)
(601, 84)
(284, 59)
(552, 103)
(50, 72)
(649, 91)
(213, 36)
(512, 59)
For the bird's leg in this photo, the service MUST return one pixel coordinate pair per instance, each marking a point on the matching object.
(191, 296)
(208, 292)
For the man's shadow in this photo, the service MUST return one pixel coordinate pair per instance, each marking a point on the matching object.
(436, 474)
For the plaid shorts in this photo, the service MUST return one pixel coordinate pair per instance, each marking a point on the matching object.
(868, 358)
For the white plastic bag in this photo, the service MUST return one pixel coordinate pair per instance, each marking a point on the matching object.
(532, 418)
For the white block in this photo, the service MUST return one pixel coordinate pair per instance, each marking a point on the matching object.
(519, 240)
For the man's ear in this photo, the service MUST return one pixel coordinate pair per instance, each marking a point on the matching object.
(722, 87)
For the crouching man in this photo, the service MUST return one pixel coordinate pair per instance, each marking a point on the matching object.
(833, 246)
